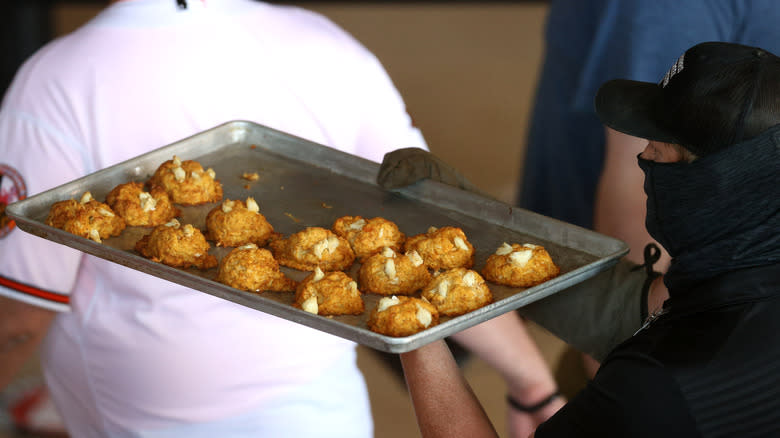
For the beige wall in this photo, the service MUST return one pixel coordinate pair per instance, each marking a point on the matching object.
(467, 72)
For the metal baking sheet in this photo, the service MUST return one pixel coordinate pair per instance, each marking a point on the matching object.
(305, 184)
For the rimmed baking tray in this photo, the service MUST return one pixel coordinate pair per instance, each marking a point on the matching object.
(303, 184)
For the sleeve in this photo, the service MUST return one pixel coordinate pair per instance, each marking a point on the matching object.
(632, 395)
(35, 158)
(640, 40)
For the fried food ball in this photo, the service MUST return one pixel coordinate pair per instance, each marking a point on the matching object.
(332, 293)
(140, 208)
(253, 269)
(311, 248)
(176, 245)
(443, 248)
(368, 236)
(87, 218)
(390, 273)
(520, 265)
(457, 291)
(236, 223)
(186, 182)
(402, 316)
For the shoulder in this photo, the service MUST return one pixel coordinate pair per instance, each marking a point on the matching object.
(50, 75)
(40, 68)
(313, 48)
(320, 54)
(624, 400)
(304, 29)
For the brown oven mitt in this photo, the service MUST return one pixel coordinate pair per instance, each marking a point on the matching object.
(610, 307)
(403, 167)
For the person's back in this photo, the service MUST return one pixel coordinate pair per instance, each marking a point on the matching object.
(139, 356)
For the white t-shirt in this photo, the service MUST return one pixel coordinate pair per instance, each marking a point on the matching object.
(134, 355)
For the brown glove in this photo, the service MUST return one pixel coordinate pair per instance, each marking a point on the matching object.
(403, 167)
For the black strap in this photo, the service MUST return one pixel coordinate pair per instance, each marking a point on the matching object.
(651, 254)
(535, 407)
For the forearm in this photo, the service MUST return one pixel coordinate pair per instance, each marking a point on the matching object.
(22, 328)
(443, 401)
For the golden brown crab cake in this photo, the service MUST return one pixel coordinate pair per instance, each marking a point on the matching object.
(253, 269)
(140, 208)
(457, 291)
(86, 217)
(391, 273)
(236, 223)
(175, 245)
(519, 265)
(402, 316)
(313, 247)
(443, 248)
(329, 294)
(186, 182)
(368, 236)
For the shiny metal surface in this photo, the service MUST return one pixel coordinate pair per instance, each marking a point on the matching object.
(305, 184)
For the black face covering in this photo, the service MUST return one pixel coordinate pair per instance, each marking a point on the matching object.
(719, 213)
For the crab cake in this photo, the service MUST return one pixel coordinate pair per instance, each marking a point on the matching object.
(520, 265)
(368, 236)
(402, 316)
(140, 208)
(332, 293)
(87, 218)
(311, 248)
(458, 291)
(236, 223)
(390, 273)
(443, 248)
(253, 269)
(186, 182)
(176, 245)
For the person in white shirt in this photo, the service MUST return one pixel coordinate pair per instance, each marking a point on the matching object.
(129, 355)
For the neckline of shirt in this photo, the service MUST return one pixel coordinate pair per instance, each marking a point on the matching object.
(166, 13)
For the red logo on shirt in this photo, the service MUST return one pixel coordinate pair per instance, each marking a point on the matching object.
(12, 189)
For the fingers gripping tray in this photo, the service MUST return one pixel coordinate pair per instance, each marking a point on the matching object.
(303, 184)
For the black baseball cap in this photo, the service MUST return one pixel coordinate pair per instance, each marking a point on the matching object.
(716, 95)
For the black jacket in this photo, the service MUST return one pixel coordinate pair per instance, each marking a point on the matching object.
(708, 367)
